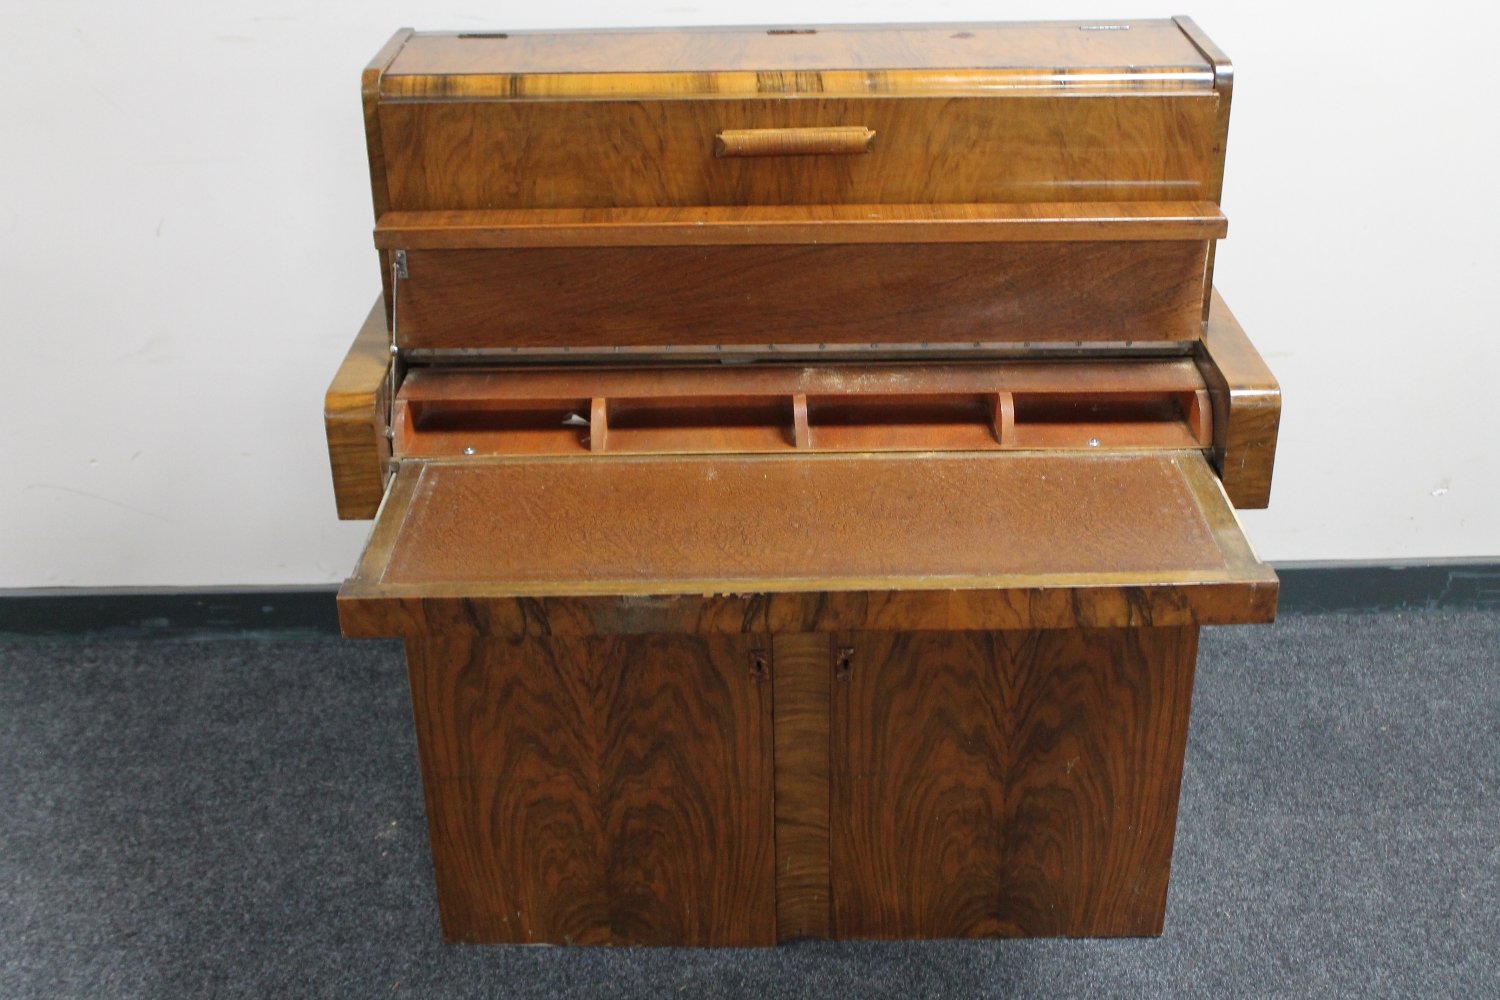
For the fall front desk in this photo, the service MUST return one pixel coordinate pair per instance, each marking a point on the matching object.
(801, 461)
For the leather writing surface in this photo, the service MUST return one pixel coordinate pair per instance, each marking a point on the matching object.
(614, 521)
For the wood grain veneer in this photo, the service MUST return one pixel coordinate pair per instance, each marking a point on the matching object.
(459, 155)
(1007, 783)
(965, 114)
(858, 293)
(355, 411)
(1247, 408)
(1024, 603)
(613, 790)
(802, 678)
(688, 62)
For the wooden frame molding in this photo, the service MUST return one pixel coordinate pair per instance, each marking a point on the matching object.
(801, 224)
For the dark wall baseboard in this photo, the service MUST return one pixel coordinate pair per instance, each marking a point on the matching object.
(291, 612)
(169, 613)
(1389, 586)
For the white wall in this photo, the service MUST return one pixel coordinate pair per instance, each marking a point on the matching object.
(185, 212)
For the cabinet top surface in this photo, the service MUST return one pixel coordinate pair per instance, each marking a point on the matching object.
(1129, 50)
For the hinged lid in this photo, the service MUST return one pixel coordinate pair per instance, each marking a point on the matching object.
(827, 59)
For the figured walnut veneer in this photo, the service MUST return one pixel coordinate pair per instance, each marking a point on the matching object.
(724, 655)
(1007, 783)
(605, 790)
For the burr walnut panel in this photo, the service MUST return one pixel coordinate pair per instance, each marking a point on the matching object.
(1007, 783)
(597, 790)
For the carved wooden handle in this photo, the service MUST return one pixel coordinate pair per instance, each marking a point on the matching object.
(837, 139)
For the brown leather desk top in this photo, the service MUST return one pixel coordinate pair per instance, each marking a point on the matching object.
(700, 524)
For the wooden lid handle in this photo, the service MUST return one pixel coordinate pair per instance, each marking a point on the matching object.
(836, 139)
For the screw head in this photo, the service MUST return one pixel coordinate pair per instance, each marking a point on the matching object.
(468, 451)
(1093, 442)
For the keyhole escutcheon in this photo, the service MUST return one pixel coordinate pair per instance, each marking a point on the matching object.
(843, 662)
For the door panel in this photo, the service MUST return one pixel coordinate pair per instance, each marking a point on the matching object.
(610, 790)
(1007, 783)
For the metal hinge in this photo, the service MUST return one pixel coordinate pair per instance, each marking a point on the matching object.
(398, 271)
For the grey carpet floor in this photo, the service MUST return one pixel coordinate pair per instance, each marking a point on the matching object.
(244, 818)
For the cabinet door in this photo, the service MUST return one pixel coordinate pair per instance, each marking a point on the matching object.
(1006, 783)
(604, 790)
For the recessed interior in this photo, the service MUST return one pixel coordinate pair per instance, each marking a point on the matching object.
(1047, 407)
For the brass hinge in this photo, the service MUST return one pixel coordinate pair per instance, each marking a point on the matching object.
(398, 271)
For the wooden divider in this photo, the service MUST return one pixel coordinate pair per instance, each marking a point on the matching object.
(1086, 405)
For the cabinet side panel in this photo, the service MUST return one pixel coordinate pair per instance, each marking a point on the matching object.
(597, 790)
(375, 146)
(1008, 783)
(1224, 87)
